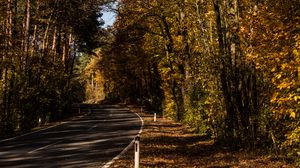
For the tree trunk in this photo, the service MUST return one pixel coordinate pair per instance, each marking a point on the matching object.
(237, 77)
(53, 49)
(26, 23)
(186, 56)
(226, 72)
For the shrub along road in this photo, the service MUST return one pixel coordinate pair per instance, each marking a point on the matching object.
(89, 141)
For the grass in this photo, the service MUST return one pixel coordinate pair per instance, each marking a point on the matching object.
(167, 144)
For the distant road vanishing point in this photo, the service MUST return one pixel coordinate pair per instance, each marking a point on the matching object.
(90, 141)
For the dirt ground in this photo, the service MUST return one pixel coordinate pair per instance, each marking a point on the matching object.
(167, 144)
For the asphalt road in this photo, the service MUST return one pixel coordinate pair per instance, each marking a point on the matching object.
(90, 141)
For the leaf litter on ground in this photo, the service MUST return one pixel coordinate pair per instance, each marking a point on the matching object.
(168, 144)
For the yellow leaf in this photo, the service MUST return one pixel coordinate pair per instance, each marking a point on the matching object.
(283, 66)
(293, 115)
(295, 52)
(278, 76)
(284, 85)
(274, 98)
(273, 70)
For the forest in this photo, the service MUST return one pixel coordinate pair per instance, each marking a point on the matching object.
(40, 41)
(228, 68)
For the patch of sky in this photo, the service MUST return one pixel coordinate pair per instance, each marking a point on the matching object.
(109, 14)
(109, 18)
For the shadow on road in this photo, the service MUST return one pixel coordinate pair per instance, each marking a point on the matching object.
(89, 141)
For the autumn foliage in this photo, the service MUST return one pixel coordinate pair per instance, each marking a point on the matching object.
(228, 68)
(39, 43)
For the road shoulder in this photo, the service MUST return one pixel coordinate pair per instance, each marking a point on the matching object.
(166, 143)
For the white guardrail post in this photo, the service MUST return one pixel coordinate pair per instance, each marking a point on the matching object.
(137, 151)
(154, 117)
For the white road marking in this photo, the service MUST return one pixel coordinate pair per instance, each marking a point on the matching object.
(108, 164)
(44, 147)
(92, 127)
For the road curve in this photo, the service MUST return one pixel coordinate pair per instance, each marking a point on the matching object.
(90, 141)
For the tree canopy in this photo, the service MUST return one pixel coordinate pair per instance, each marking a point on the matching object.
(228, 68)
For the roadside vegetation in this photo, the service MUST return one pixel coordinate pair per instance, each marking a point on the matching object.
(228, 68)
(170, 144)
